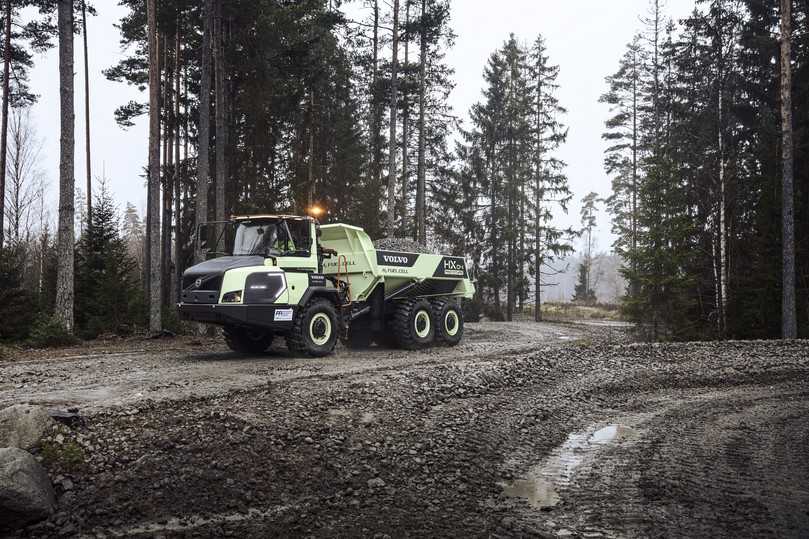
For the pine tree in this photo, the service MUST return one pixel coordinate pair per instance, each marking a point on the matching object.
(20, 41)
(789, 324)
(585, 289)
(394, 108)
(64, 288)
(15, 300)
(549, 185)
(623, 157)
(508, 178)
(153, 206)
(108, 298)
(706, 217)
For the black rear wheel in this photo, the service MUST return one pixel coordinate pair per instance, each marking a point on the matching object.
(248, 340)
(413, 324)
(448, 322)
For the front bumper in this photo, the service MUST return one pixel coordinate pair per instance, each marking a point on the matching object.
(276, 317)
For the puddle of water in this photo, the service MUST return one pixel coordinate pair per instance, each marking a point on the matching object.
(541, 485)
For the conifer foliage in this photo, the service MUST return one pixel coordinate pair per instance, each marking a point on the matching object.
(108, 298)
(694, 150)
(509, 181)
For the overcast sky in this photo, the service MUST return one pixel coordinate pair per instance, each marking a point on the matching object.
(585, 38)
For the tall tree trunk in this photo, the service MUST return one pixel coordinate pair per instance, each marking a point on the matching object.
(634, 285)
(789, 326)
(168, 168)
(376, 120)
(722, 218)
(405, 132)
(178, 222)
(521, 250)
(538, 256)
(155, 277)
(64, 279)
(204, 142)
(310, 165)
(87, 114)
(4, 133)
(510, 178)
(494, 190)
(421, 180)
(221, 125)
(394, 109)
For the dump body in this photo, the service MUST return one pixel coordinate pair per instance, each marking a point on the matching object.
(365, 267)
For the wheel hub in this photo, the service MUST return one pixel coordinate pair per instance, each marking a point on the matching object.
(451, 323)
(422, 324)
(320, 329)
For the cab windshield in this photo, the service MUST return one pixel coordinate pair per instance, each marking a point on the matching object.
(272, 238)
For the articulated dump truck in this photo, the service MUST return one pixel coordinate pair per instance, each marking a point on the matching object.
(290, 276)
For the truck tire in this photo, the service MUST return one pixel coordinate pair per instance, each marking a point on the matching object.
(448, 322)
(413, 324)
(248, 341)
(315, 329)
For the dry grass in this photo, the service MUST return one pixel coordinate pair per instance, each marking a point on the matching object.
(573, 311)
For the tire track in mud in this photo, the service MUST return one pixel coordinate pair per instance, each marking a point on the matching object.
(700, 463)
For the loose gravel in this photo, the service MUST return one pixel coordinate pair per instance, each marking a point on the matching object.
(384, 443)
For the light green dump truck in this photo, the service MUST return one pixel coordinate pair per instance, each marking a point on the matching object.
(289, 276)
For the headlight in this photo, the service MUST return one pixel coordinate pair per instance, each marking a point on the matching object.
(264, 287)
(232, 297)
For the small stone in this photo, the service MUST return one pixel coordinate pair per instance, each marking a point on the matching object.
(308, 440)
(376, 482)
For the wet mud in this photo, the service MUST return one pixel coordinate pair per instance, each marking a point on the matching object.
(516, 433)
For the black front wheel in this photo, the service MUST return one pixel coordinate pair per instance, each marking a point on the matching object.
(315, 329)
(248, 340)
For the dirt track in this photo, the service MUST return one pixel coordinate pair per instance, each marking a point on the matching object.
(522, 431)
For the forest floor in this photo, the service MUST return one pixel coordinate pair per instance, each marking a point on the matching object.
(545, 430)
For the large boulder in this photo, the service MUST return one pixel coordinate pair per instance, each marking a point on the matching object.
(23, 425)
(26, 493)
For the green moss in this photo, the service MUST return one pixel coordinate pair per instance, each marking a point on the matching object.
(66, 456)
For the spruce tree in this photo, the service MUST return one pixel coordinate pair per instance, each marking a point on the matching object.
(549, 184)
(108, 297)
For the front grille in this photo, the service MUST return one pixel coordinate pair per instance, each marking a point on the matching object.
(206, 293)
(208, 283)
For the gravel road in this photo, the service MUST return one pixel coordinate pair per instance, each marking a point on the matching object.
(523, 431)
